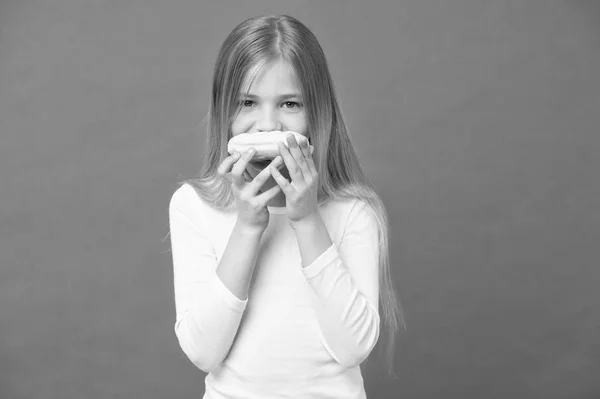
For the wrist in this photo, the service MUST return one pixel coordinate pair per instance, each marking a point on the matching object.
(249, 230)
(306, 223)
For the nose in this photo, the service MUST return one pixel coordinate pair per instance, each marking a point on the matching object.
(268, 121)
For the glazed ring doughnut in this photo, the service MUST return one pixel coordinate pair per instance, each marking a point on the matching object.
(265, 143)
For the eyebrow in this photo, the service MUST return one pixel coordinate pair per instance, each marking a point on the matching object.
(281, 97)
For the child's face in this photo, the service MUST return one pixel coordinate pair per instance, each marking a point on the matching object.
(273, 103)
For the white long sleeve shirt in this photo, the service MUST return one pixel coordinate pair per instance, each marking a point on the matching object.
(302, 332)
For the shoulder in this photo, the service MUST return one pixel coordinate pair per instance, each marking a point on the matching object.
(186, 200)
(362, 217)
(347, 211)
(187, 208)
(349, 218)
(184, 197)
(349, 206)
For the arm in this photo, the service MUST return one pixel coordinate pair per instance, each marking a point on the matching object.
(208, 297)
(345, 282)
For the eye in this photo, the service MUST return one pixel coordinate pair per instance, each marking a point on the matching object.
(292, 104)
(247, 103)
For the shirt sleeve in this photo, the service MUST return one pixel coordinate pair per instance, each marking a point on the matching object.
(207, 313)
(345, 281)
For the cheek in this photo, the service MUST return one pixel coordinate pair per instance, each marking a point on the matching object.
(239, 124)
(236, 128)
(298, 124)
(295, 122)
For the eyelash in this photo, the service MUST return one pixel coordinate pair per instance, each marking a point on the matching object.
(296, 104)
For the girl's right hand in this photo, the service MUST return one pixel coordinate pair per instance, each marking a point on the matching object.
(251, 208)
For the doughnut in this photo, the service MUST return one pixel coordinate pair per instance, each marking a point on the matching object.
(265, 143)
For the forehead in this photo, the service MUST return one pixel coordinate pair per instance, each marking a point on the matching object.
(272, 78)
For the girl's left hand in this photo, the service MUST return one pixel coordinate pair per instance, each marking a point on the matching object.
(301, 193)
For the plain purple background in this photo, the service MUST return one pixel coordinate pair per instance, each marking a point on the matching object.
(476, 120)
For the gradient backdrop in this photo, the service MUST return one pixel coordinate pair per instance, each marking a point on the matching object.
(476, 120)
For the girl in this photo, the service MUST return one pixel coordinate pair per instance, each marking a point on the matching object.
(279, 269)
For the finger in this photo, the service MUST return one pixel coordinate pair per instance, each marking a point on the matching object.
(268, 195)
(263, 176)
(226, 164)
(297, 153)
(240, 167)
(290, 163)
(304, 148)
(307, 150)
(282, 182)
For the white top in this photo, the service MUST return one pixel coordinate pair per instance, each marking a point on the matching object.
(301, 333)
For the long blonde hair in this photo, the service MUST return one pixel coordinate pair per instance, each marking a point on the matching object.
(252, 44)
